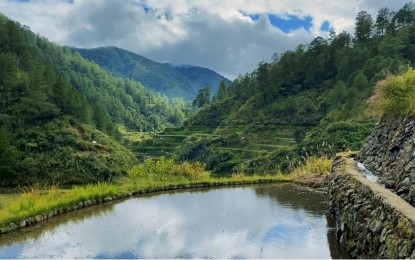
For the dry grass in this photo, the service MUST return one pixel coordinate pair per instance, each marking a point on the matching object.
(314, 172)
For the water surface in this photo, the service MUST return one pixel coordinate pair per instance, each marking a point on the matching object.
(265, 221)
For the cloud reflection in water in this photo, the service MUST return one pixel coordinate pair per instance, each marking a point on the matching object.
(248, 222)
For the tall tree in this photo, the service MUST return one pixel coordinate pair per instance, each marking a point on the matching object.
(222, 91)
(382, 21)
(364, 26)
(405, 15)
(203, 97)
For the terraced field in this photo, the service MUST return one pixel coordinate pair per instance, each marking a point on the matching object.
(252, 142)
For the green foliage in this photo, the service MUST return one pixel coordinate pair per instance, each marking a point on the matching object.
(364, 26)
(395, 96)
(330, 138)
(8, 156)
(164, 170)
(279, 161)
(299, 135)
(53, 101)
(202, 98)
(223, 92)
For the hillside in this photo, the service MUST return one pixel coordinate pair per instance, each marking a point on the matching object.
(169, 80)
(315, 94)
(60, 113)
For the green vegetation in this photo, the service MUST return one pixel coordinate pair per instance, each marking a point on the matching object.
(169, 80)
(319, 91)
(64, 120)
(395, 96)
(165, 170)
(60, 114)
(148, 176)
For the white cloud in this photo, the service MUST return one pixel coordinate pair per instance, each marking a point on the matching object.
(214, 34)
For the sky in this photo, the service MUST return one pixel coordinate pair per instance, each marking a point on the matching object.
(229, 36)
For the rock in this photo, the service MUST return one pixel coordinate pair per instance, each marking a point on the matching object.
(81, 204)
(376, 226)
(382, 215)
(22, 223)
(107, 199)
(383, 235)
(390, 184)
(30, 221)
(13, 226)
(403, 253)
(51, 214)
(39, 218)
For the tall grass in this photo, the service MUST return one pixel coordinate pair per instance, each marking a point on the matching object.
(313, 166)
(395, 95)
(141, 177)
(36, 202)
(164, 170)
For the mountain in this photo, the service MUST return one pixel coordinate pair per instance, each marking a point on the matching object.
(168, 79)
(60, 113)
(314, 96)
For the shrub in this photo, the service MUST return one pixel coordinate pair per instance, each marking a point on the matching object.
(395, 95)
(164, 169)
(299, 135)
(313, 165)
(329, 139)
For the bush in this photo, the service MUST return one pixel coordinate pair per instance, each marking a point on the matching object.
(395, 95)
(329, 139)
(299, 135)
(164, 169)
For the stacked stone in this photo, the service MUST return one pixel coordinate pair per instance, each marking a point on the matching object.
(367, 224)
(389, 152)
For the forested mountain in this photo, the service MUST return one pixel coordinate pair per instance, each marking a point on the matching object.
(320, 89)
(169, 80)
(58, 111)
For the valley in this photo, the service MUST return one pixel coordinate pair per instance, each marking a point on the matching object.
(84, 129)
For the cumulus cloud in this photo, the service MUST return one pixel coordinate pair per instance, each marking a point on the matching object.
(217, 34)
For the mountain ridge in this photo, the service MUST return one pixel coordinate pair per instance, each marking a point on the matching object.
(166, 78)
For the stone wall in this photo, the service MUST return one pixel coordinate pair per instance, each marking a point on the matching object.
(371, 221)
(389, 152)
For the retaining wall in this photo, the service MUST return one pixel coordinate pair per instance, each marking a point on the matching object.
(371, 221)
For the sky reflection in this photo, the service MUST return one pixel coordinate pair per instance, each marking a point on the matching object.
(247, 222)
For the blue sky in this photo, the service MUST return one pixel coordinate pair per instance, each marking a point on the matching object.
(228, 36)
(290, 23)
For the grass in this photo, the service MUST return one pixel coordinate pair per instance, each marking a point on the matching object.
(313, 173)
(395, 95)
(33, 202)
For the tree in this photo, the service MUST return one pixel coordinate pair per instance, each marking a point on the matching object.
(8, 156)
(405, 15)
(364, 26)
(222, 91)
(360, 81)
(332, 34)
(203, 97)
(382, 21)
